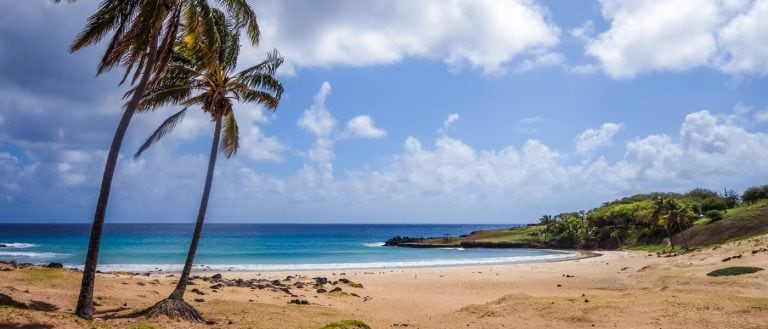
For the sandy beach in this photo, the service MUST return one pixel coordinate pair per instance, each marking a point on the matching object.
(618, 289)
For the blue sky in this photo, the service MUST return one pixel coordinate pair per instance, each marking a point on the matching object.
(406, 112)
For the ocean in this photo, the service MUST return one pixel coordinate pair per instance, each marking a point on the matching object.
(250, 247)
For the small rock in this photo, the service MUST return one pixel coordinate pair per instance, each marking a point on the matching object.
(210, 322)
(321, 280)
(199, 300)
(321, 291)
(299, 302)
(54, 265)
(216, 277)
(337, 289)
(197, 291)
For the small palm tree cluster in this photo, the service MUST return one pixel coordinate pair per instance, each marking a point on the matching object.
(183, 53)
(674, 217)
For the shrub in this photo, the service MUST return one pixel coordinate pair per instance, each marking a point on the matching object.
(736, 270)
(715, 203)
(714, 215)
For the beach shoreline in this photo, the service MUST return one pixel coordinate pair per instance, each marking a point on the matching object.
(617, 289)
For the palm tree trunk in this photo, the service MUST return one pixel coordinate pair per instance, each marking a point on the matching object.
(84, 308)
(181, 286)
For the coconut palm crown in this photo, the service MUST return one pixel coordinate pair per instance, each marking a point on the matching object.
(193, 78)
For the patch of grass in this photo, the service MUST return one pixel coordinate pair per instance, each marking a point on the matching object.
(648, 248)
(41, 274)
(660, 247)
(736, 270)
(526, 234)
(346, 324)
(702, 221)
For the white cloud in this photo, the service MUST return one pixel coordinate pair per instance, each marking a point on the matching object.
(649, 35)
(743, 40)
(591, 139)
(761, 116)
(316, 119)
(549, 59)
(482, 34)
(529, 125)
(584, 31)
(677, 35)
(449, 121)
(363, 126)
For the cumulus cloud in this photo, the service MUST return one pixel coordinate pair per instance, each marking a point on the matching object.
(591, 139)
(483, 34)
(677, 35)
(364, 127)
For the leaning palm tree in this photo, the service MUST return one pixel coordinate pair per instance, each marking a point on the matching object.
(193, 79)
(143, 36)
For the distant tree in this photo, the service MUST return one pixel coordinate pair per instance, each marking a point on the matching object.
(546, 220)
(701, 193)
(755, 193)
(713, 203)
(731, 199)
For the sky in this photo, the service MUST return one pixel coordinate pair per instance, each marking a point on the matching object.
(431, 111)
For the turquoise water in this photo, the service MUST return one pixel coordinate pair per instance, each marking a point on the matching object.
(250, 247)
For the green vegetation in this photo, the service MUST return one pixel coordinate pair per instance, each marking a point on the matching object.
(738, 223)
(518, 235)
(41, 274)
(754, 194)
(736, 270)
(713, 216)
(346, 324)
(650, 222)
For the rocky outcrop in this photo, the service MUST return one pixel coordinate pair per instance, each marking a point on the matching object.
(400, 240)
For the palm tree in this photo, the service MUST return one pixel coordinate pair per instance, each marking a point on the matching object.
(196, 79)
(677, 216)
(143, 35)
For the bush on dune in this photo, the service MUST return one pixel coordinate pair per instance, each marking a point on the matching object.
(736, 270)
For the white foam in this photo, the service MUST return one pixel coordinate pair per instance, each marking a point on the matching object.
(30, 254)
(333, 266)
(374, 244)
(17, 245)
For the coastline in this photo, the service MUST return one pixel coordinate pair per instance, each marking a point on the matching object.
(617, 289)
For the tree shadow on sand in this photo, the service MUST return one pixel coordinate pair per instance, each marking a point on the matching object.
(37, 305)
(13, 325)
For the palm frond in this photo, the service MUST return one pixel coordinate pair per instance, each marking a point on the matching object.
(165, 128)
(244, 16)
(230, 136)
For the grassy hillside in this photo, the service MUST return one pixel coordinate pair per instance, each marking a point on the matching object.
(738, 223)
(517, 235)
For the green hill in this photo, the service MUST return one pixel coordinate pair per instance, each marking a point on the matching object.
(737, 223)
